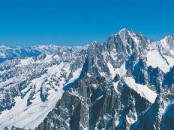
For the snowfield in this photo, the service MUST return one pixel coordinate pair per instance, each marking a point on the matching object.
(155, 60)
(143, 90)
(29, 117)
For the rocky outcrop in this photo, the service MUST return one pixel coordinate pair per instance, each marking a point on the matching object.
(107, 86)
(95, 104)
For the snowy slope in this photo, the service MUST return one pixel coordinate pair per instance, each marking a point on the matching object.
(33, 79)
(143, 90)
(154, 59)
(44, 78)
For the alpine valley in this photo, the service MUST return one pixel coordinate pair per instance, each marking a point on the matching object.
(126, 83)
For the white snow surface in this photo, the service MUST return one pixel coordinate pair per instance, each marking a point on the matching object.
(171, 52)
(113, 71)
(24, 62)
(81, 47)
(164, 44)
(143, 90)
(52, 82)
(155, 60)
(170, 60)
(28, 117)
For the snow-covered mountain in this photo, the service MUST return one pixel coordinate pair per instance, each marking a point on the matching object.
(31, 86)
(124, 83)
(9, 53)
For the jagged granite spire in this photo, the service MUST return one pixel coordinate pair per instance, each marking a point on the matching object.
(118, 84)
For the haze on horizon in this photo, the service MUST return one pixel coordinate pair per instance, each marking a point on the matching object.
(34, 22)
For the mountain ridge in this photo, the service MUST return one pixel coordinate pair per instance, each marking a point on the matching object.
(121, 72)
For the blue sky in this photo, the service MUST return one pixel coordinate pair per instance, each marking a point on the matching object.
(79, 22)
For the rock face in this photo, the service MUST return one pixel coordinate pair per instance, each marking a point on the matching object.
(125, 83)
(95, 104)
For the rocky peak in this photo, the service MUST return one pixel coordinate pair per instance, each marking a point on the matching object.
(126, 42)
(106, 86)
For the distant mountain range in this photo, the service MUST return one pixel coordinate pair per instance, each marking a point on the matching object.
(122, 84)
